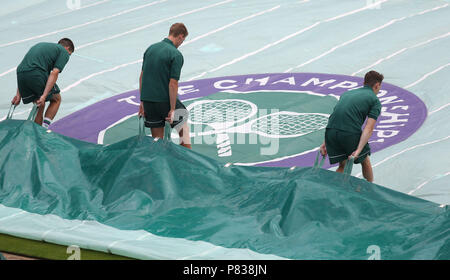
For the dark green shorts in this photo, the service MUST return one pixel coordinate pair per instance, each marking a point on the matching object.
(341, 144)
(156, 113)
(31, 86)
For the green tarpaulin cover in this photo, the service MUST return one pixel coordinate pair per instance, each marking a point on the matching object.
(172, 192)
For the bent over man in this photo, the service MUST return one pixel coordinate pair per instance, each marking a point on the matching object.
(37, 75)
(343, 135)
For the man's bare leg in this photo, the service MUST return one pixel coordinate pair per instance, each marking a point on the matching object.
(367, 169)
(53, 107)
(157, 132)
(341, 167)
(40, 115)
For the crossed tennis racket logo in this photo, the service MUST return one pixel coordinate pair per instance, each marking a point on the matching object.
(230, 116)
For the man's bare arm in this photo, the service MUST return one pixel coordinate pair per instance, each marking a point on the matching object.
(365, 136)
(17, 98)
(140, 82)
(173, 93)
(51, 81)
(323, 149)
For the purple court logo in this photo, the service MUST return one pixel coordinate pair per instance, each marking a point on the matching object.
(293, 94)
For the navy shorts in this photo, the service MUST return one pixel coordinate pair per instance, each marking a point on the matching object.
(156, 113)
(341, 144)
(32, 84)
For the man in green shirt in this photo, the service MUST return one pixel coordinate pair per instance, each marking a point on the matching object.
(343, 135)
(161, 70)
(37, 75)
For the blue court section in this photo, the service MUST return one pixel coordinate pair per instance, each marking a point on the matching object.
(407, 41)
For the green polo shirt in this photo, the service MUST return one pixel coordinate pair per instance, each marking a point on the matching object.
(352, 109)
(162, 62)
(45, 57)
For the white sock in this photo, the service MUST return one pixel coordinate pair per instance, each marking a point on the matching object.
(46, 123)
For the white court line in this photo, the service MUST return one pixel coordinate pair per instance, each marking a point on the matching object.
(256, 52)
(286, 38)
(8, 71)
(438, 109)
(399, 52)
(154, 23)
(74, 10)
(140, 60)
(18, 113)
(231, 24)
(373, 5)
(88, 6)
(406, 150)
(426, 182)
(427, 75)
(380, 60)
(364, 35)
(77, 9)
(99, 73)
(101, 134)
(83, 24)
(344, 44)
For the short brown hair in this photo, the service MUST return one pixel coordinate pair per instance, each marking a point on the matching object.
(66, 42)
(372, 77)
(177, 29)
